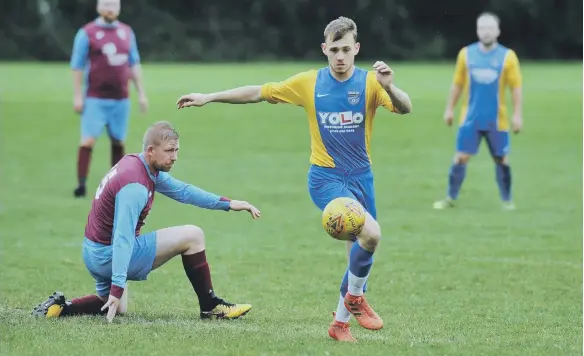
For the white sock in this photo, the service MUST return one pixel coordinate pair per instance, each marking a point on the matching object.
(343, 314)
(356, 284)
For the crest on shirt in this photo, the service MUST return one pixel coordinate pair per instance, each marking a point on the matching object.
(121, 33)
(353, 96)
(99, 35)
(494, 62)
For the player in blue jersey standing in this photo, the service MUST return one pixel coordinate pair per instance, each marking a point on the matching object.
(340, 101)
(484, 70)
(104, 59)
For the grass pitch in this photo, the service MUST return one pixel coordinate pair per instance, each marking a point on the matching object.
(474, 280)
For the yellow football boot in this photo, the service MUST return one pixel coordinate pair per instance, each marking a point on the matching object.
(52, 307)
(225, 310)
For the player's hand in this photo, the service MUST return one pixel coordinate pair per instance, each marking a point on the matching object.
(238, 205)
(517, 123)
(384, 74)
(448, 117)
(193, 99)
(143, 100)
(112, 306)
(78, 103)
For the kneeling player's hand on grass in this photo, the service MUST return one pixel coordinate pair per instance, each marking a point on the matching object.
(193, 99)
(112, 306)
(238, 205)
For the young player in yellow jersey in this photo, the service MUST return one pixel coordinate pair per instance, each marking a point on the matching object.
(484, 70)
(340, 101)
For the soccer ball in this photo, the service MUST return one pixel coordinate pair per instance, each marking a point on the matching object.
(343, 218)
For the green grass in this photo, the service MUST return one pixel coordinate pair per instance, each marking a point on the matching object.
(474, 280)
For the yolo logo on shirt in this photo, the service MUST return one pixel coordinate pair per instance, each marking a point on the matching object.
(340, 122)
(114, 58)
(340, 118)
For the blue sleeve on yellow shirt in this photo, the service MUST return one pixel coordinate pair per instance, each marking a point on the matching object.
(130, 201)
(80, 50)
(189, 194)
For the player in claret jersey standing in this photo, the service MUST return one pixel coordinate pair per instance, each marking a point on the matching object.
(340, 101)
(105, 58)
(115, 250)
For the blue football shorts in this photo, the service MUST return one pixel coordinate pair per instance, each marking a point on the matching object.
(98, 260)
(112, 114)
(326, 184)
(469, 138)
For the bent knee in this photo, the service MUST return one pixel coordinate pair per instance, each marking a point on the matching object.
(371, 235)
(193, 236)
(461, 158)
(88, 142)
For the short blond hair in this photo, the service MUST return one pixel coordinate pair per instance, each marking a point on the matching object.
(338, 28)
(158, 133)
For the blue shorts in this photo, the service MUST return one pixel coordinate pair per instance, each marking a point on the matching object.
(326, 184)
(469, 138)
(98, 260)
(99, 113)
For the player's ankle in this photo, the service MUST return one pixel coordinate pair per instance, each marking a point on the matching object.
(210, 303)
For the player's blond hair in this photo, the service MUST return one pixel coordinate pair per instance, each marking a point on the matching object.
(338, 28)
(158, 133)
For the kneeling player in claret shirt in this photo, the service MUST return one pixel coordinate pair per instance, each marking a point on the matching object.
(115, 251)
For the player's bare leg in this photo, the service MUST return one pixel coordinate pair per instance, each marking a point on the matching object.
(189, 242)
(503, 175)
(360, 261)
(83, 162)
(455, 179)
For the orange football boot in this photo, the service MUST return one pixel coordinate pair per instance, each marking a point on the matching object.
(365, 315)
(340, 331)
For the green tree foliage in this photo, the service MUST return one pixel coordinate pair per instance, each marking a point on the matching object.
(230, 30)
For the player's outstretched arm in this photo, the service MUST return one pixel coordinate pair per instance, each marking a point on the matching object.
(241, 95)
(130, 201)
(189, 194)
(294, 90)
